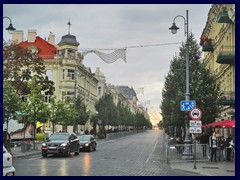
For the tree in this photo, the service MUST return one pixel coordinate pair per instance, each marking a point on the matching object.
(21, 64)
(82, 115)
(35, 106)
(203, 88)
(11, 103)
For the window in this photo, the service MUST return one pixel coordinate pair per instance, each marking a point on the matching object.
(99, 90)
(49, 74)
(70, 74)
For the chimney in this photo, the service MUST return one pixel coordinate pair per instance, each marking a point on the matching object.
(32, 35)
(17, 36)
(51, 38)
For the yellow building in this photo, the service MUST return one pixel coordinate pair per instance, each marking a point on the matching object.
(218, 44)
(64, 66)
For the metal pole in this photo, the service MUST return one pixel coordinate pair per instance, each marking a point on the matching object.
(75, 102)
(187, 151)
(195, 153)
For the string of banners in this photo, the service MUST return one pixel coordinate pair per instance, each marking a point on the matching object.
(119, 53)
(111, 57)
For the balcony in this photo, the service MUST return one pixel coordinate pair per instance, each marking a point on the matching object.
(206, 44)
(207, 48)
(222, 17)
(226, 55)
(228, 99)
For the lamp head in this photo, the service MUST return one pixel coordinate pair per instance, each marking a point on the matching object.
(10, 27)
(174, 28)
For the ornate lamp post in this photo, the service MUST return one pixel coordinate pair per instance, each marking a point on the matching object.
(187, 154)
(10, 27)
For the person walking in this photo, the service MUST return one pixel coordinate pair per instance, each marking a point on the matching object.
(213, 144)
(204, 141)
(229, 147)
(222, 148)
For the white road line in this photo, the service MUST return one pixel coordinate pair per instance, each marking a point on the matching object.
(35, 158)
(151, 152)
(105, 142)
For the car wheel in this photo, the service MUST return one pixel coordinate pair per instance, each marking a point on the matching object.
(90, 148)
(68, 152)
(77, 153)
(44, 154)
(95, 148)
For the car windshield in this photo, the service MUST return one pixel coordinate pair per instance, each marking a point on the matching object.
(59, 137)
(84, 138)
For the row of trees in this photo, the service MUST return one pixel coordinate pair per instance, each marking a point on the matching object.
(203, 88)
(24, 74)
(115, 115)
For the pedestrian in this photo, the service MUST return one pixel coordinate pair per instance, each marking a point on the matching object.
(204, 141)
(222, 148)
(7, 140)
(229, 147)
(86, 131)
(213, 144)
(91, 131)
(81, 132)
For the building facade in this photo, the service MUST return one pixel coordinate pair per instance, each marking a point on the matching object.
(218, 44)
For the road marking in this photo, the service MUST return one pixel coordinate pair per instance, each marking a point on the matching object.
(106, 141)
(151, 152)
(34, 158)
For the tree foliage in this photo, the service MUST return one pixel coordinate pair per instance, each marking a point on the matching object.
(203, 88)
(11, 102)
(22, 64)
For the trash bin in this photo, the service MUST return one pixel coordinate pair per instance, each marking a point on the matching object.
(25, 146)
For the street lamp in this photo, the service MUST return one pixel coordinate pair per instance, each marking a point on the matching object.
(10, 28)
(186, 153)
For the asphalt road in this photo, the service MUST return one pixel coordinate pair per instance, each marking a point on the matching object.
(141, 154)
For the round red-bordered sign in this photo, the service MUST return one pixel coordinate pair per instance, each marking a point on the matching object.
(195, 114)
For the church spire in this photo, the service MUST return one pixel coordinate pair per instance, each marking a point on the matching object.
(69, 24)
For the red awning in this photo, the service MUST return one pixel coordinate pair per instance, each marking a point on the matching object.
(222, 124)
(228, 124)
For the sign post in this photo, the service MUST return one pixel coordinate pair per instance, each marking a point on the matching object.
(195, 127)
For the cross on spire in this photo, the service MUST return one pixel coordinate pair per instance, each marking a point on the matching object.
(69, 24)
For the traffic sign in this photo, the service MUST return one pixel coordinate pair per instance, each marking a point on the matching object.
(195, 114)
(195, 130)
(187, 105)
(195, 123)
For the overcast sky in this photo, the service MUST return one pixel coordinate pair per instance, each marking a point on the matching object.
(116, 26)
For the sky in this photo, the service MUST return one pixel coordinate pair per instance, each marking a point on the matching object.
(143, 29)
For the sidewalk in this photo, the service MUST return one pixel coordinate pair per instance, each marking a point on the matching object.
(207, 168)
(17, 151)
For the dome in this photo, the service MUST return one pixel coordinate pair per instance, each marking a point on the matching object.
(68, 40)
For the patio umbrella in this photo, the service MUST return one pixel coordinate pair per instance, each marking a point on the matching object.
(215, 124)
(228, 124)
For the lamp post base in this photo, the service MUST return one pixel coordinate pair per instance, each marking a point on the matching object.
(187, 153)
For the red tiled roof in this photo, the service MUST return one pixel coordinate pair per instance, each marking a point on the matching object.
(47, 50)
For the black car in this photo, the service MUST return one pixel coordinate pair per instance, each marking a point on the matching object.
(87, 143)
(61, 144)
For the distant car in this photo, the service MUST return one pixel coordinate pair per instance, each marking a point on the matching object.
(87, 143)
(61, 144)
(8, 169)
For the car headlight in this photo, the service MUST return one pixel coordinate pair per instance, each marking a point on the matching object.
(63, 144)
(44, 144)
(86, 144)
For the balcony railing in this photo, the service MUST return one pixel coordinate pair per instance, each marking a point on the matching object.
(226, 55)
(228, 98)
